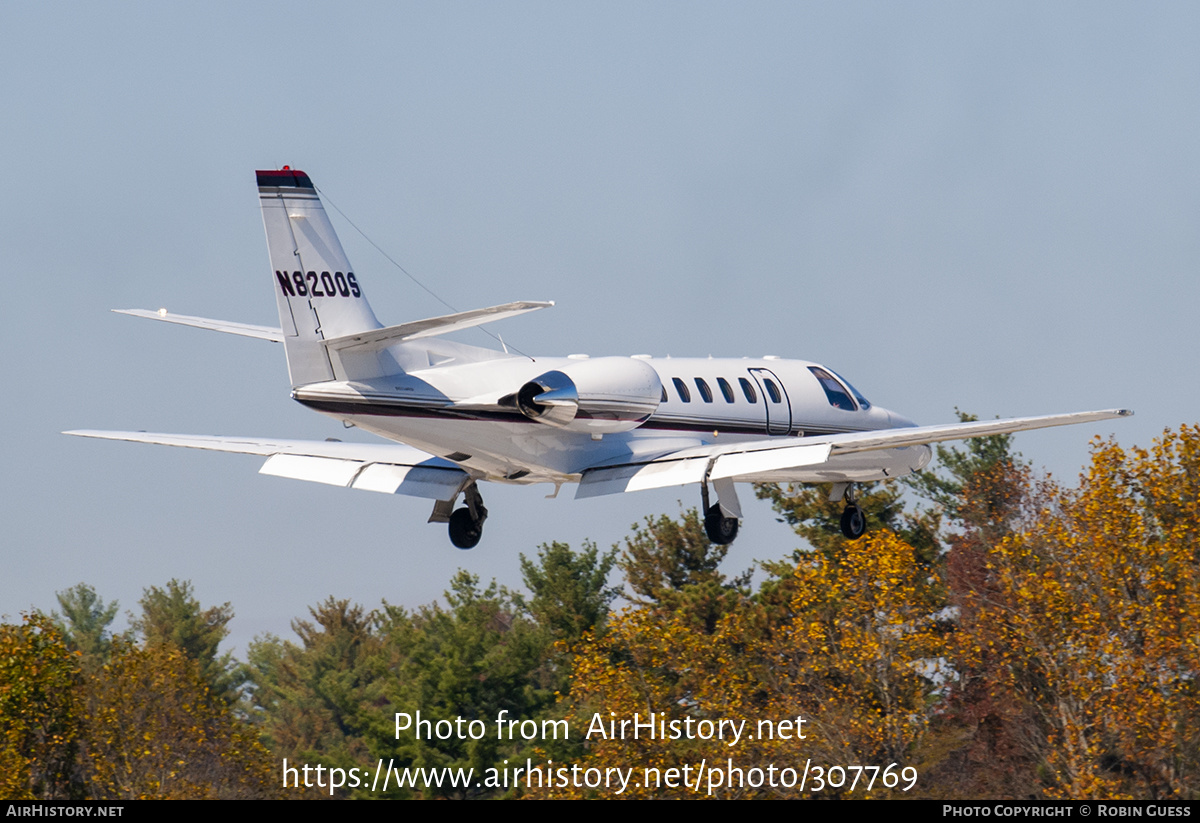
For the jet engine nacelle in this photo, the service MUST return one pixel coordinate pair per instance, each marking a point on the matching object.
(601, 395)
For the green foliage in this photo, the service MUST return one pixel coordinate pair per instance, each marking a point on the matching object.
(816, 518)
(473, 659)
(959, 486)
(314, 699)
(570, 590)
(173, 616)
(671, 565)
(84, 622)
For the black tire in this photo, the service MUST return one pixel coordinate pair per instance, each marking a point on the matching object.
(465, 530)
(854, 522)
(720, 529)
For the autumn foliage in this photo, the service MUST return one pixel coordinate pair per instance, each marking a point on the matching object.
(143, 723)
(1092, 622)
(1005, 636)
(1053, 648)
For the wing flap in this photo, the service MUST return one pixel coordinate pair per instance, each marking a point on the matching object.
(690, 466)
(631, 478)
(326, 470)
(769, 460)
(390, 468)
(414, 481)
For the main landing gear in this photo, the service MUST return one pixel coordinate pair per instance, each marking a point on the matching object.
(721, 529)
(466, 522)
(854, 520)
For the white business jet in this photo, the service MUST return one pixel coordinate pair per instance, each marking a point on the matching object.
(459, 414)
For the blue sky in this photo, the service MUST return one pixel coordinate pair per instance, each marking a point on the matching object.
(991, 206)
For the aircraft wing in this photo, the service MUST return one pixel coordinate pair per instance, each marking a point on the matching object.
(747, 461)
(390, 468)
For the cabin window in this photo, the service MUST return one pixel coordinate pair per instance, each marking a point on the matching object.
(726, 390)
(833, 389)
(705, 391)
(773, 390)
(748, 390)
(682, 390)
(664, 391)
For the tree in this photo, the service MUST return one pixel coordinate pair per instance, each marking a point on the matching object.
(317, 699)
(671, 565)
(816, 518)
(39, 710)
(473, 659)
(954, 487)
(153, 729)
(84, 622)
(850, 651)
(1093, 619)
(173, 616)
(570, 590)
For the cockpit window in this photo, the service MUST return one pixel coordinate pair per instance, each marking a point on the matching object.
(833, 389)
(705, 391)
(726, 390)
(682, 390)
(863, 403)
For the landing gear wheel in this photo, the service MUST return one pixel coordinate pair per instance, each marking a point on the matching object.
(465, 530)
(720, 529)
(854, 522)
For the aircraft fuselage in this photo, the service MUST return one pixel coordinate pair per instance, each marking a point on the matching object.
(700, 401)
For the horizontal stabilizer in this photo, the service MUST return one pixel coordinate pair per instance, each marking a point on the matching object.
(379, 467)
(431, 327)
(243, 329)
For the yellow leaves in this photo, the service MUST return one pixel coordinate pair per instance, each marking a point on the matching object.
(842, 643)
(38, 708)
(141, 726)
(1102, 593)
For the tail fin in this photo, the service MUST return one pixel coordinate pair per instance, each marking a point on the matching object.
(319, 296)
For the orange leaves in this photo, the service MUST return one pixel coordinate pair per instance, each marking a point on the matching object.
(1096, 610)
